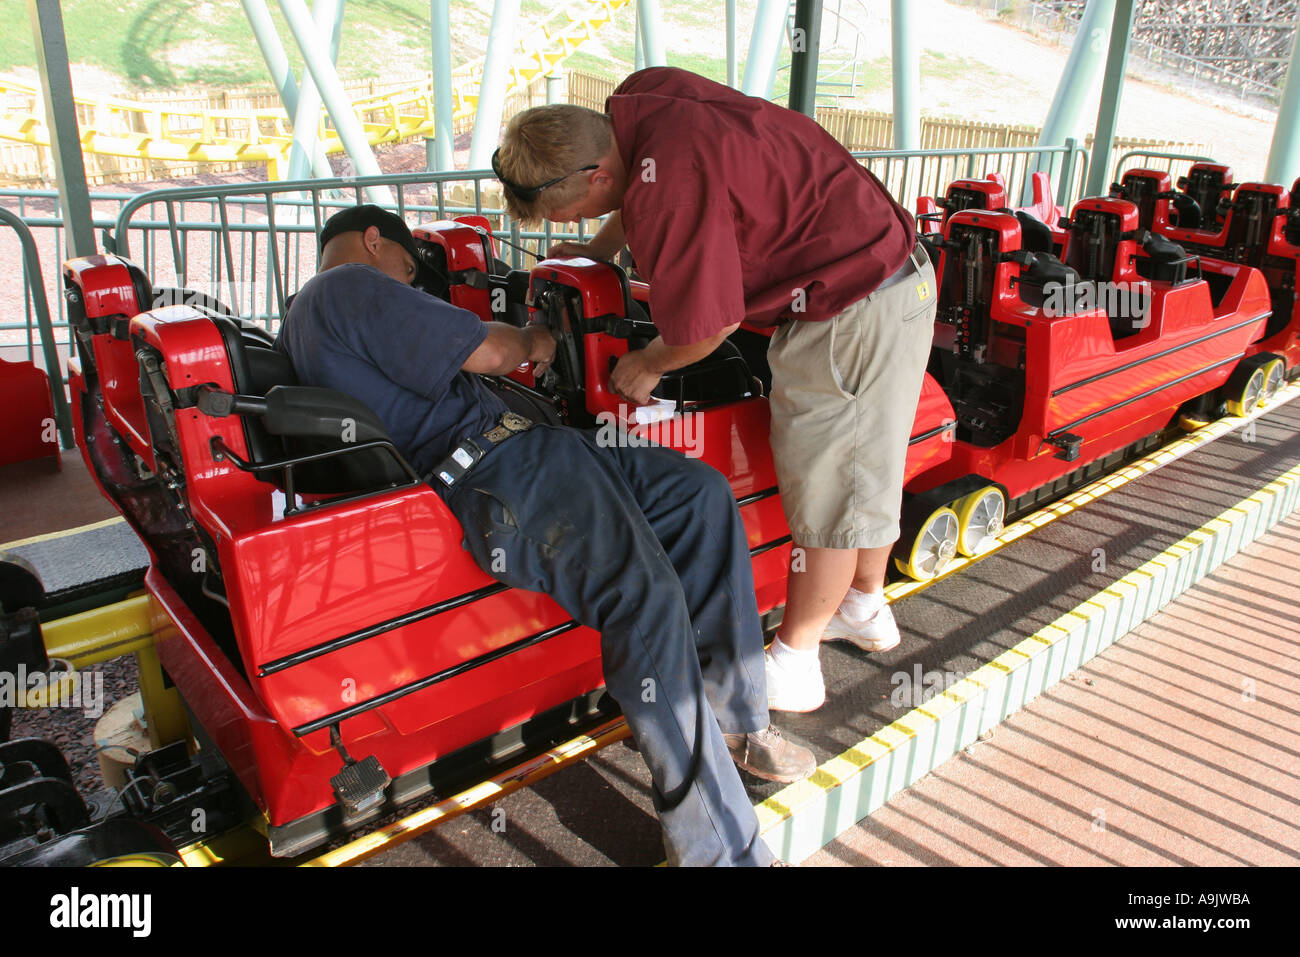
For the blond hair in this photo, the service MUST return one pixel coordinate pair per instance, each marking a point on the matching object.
(547, 142)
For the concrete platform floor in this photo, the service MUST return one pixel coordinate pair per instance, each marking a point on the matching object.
(38, 498)
(1178, 745)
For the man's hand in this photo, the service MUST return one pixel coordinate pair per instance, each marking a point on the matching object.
(638, 372)
(609, 239)
(635, 377)
(541, 347)
(567, 250)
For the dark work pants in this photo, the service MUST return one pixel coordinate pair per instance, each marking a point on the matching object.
(646, 546)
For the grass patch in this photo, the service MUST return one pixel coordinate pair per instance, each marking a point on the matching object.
(948, 67)
(598, 65)
(169, 44)
(713, 67)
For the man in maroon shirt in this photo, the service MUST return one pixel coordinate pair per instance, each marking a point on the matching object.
(738, 209)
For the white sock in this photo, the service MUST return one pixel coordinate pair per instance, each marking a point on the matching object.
(794, 659)
(861, 606)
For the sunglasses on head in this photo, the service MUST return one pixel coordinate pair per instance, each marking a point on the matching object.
(527, 194)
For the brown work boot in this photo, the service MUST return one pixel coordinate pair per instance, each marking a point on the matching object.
(767, 755)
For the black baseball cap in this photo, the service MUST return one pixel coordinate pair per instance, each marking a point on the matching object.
(360, 218)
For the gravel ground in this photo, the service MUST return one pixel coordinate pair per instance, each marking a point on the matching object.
(72, 731)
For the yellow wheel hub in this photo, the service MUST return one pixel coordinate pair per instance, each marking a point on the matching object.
(934, 546)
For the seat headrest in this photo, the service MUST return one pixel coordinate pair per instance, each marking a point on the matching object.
(1035, 235)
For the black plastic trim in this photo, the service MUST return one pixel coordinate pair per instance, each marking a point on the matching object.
(937, 430)
(429, 611)
(422, 683)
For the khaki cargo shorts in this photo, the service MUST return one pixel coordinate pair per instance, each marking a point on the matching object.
(844, 396)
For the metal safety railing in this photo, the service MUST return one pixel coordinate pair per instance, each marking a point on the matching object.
(41, 214)
(250, 245)
(36, 301)
(1175, 164)
(915, 173)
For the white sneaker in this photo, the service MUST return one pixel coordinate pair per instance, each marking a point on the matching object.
(877, 633)
(790, 690)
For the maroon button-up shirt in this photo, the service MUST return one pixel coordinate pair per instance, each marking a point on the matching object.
(737, 208)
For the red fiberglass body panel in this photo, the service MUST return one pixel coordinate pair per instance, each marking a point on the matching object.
(466, 248)
(28, 429)
(109, 298)
(1254, 232)
(1082, 381)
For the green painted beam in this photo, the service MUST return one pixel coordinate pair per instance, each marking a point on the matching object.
(61, 120)
(441, 151)
(731, 44)
(650, 21)
(906, 63)
(327, 15)
(1284, 153)
(334, 96)
(492, 88)
(805, 44)
(1112, 89)
(277, 63)
(1065, 117)
(765, 48)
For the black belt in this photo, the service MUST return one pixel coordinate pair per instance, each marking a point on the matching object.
(466, 455)
(913, 263)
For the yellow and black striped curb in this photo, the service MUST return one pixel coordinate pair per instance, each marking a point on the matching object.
(806, 816)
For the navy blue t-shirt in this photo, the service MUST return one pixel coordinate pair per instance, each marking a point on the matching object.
(398, 350)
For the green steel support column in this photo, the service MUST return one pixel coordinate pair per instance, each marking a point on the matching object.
(441, 151)
(731, 43)
(1078, 79)
(336, 100)
(277, 63)
(765, 47)
(650, 22)
(492, 90)
(1065, 116)
(805, 43)
(906, 59)
(638, 45)
(61, 121)
(1111, 89)
(1284, 153)
(327, 15)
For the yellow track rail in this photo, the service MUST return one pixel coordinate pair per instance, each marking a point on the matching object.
(149, 131)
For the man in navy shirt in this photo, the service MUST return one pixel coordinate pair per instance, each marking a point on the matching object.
(669, 586)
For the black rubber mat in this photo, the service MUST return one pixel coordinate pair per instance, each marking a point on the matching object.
(599, 812)
(86, 562)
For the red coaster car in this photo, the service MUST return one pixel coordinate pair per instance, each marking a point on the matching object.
(1052, 373)
(1257, 224)
(332, 640)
